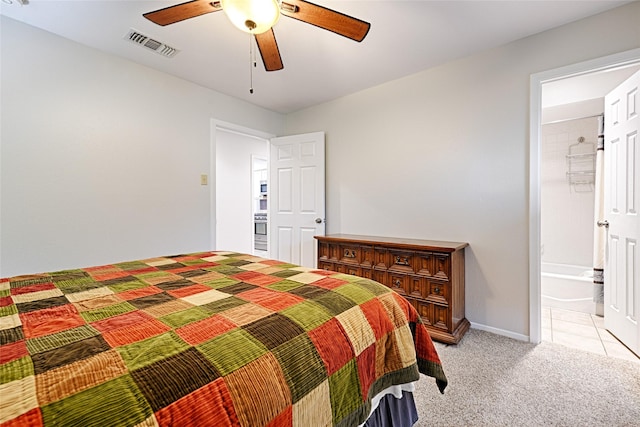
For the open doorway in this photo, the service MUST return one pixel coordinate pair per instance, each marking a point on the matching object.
(566, 107)
(239, 167)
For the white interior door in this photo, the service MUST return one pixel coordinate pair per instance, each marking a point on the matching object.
(622, 196)
(296, 197)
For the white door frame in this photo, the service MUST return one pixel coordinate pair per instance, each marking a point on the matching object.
(229, 127)
(535, 111)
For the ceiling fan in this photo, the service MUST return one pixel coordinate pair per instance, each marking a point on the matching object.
(257, 17)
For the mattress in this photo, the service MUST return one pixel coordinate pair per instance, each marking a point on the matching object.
(212, 338)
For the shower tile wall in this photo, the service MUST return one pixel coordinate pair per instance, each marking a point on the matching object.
(567, 210)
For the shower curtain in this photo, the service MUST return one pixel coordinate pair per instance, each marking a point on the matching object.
(599, 233)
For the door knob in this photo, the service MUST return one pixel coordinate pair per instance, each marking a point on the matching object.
(604, 223)
(318, 220)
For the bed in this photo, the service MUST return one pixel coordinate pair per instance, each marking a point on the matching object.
(207, 339)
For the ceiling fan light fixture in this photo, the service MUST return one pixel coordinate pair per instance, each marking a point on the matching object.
(252, 16)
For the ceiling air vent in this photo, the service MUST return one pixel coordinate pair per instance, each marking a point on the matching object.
(154, 45)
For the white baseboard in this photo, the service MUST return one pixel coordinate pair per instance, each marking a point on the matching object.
(503, 332)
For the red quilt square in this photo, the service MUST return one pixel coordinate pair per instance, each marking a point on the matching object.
(273, 300)
(13, 351)
(255, 278)
(377, 317)
(134, 333)
(188, 291)
(329, 283)
(332, 344)
(203, 330)
(139, 293)
(32, 418)
(209, 405)
(110, 275)
(5, 301)
(50, 321)
(121, 321)
(424, 346)
(366, 362)
(33, 288)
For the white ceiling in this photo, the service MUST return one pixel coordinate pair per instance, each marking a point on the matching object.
(405, 37)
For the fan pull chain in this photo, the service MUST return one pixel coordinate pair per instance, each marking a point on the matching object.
(252, 61)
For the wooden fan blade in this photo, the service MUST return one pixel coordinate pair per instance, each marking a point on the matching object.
(328, 19)
(182, 11)
(269, 51)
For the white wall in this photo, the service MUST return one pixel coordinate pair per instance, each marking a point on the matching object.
(443, 154)
(101, 158)
(567, 211)
(234, 195)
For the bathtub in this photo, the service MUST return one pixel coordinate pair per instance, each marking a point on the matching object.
(569, 287)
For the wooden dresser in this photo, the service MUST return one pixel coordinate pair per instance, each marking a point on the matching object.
(430, 274)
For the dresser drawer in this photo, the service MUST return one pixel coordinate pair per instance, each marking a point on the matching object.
(397, 282)
(418, 287)
(438, 292)
(366, 256)
(435, 315)
(381, 258)
(434, 264)
(401, 261)
(349, 254)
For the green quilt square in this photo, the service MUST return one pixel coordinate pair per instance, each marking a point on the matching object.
(228, 270)
(151, 350)
(307, 314)
(80, 284)
(355, 293)
(232, 350)
(8, 310)
(127, 286)
(302, 366)
(118, 402)
(285, 273)
(16, 370)
(284, 285)
(105, 312)
(373, 287)
(345, 391)
(181, 318)
(222, 282)
(223, 304)
(334, 303)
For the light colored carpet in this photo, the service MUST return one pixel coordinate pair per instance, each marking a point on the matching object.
(498, 381)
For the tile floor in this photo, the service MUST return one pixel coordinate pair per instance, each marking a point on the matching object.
(584, 331)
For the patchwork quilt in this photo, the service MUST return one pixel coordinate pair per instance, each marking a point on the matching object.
(215, 338)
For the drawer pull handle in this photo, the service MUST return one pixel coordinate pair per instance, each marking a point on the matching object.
(397, 282)
(402, 260)
(436, 290)
(349, 254)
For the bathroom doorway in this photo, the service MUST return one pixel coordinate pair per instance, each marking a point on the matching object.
(562, 198)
